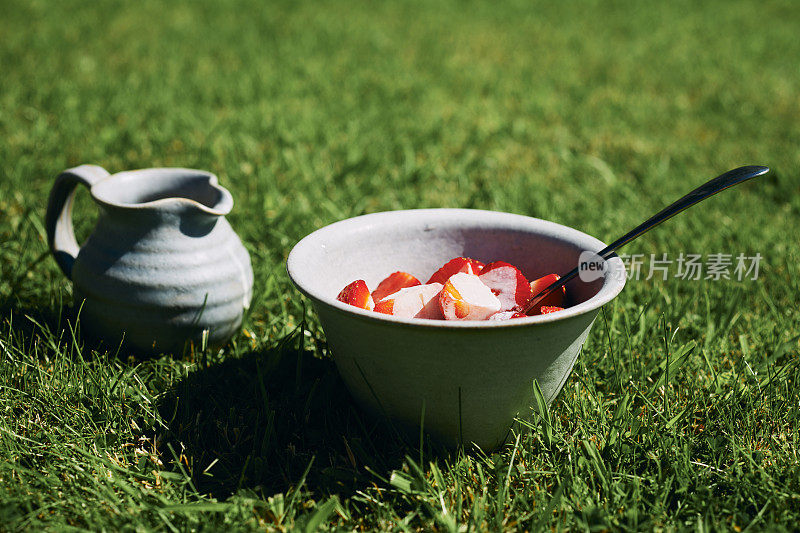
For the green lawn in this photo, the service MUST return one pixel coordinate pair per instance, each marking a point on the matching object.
(590, 114)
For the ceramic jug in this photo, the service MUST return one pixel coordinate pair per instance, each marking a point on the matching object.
(162, 265)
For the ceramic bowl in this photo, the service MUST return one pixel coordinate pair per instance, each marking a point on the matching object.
(470, 378)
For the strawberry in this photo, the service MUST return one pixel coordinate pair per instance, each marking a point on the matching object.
(357, 294)
(550, 309)
(385, 306)
(454, 266)
(554, 299)
(393, 283)
(507, 283)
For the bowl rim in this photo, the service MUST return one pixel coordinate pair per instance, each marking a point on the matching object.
(614, 278)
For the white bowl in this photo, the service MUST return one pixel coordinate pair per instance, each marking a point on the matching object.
(471, 378)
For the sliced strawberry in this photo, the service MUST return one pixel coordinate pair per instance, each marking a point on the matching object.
(420, 301)
(393, 283)
(507, 283)
(431, 309)
(465, 297)
(385, 306)
(357, 294)
(452, 303)
(554, 299)
(454, 266)
(550, 309)
(477, 266)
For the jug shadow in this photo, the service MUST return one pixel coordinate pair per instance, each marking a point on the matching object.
(273, 419)
(61, 324)
(49, 321)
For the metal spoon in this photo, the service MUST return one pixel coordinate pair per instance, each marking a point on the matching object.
(710, 188)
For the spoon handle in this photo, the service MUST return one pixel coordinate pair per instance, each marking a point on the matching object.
(710, 188)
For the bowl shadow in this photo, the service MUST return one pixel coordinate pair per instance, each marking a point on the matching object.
(267, 420)
(274, 419)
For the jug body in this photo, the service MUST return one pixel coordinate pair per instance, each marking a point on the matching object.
(162, 266)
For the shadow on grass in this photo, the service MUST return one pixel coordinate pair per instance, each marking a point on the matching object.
(53, 323)
(60, 326)
(32, 321)
(272, 420)
(268, 420)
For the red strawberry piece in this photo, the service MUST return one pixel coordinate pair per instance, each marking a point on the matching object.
(393, 283)
(477, 266)
(554, 299)
(385, 306)
(432, 309)
(507, 283)
(550, 309)
(357, 294)
(454, 266)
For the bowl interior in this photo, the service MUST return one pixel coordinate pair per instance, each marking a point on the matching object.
(373, 246)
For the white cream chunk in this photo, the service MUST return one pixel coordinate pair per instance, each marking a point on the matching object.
(476, 300)
(417, 302)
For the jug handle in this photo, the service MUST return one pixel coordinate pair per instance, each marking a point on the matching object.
(58, 219)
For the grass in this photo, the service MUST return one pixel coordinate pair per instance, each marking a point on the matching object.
(682, 411)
